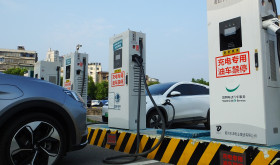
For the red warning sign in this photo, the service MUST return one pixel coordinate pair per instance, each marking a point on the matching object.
(67, 85)
(118, 79)
(233, 65)
(232, 158)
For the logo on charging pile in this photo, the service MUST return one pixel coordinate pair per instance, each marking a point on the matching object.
(233, 65)
(118, 79)
(117, 98)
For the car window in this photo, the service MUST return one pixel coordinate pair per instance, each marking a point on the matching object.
(159, 89)
(184, 89)
(199, 90)
(191, 89)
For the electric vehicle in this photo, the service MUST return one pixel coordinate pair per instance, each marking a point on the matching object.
(190, 101)
(39, 121)
(96, 103)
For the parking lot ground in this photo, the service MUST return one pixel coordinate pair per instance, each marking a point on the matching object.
(93, 155)
(185, 145)
(97, 118)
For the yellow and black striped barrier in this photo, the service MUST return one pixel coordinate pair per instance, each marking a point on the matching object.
(186, 151)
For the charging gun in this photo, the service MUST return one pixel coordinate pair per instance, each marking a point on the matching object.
(272, 25)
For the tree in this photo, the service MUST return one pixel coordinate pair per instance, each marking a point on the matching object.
(152, 83)
(200, 81)
(15, 71)
(91, 88)
(101, 90)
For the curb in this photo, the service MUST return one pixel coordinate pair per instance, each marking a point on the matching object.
(186, 151)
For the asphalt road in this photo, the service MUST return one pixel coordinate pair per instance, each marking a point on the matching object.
(93, 155)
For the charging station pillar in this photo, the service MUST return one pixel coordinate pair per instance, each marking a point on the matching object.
(76, 73)
(124, 81)
(243, 71)
(48, 71)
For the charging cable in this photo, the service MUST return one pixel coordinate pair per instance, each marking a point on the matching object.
(110, 160)
(167, 102)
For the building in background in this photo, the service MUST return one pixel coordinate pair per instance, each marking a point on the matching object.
(52, 55)
(102, 76)
(17, 58)
(93, 69)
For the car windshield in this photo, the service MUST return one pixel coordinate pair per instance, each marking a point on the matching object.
(159, 89)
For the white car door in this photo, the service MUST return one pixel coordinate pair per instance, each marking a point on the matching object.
(183, 104)
(193, 101)
(200, 95)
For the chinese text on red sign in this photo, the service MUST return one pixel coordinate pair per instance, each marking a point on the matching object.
(233, 65)
(118, 79)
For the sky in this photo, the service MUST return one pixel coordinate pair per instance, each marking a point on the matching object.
(176, 31)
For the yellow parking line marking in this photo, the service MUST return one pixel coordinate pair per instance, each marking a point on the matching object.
(101, 139)
(129, 143)
(237, 149)
(170, 150)
(119, 141)
(153, 154)
(261, 160)
(187, 153)
(143, 143)
(209, 153)
(94, 136)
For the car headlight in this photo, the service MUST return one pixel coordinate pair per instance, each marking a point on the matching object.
(74, 95)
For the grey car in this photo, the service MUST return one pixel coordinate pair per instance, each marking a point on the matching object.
(39, 121)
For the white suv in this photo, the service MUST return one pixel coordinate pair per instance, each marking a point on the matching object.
(190, 100)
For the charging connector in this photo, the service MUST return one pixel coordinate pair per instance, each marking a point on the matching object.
(138, 59)
(272, 25)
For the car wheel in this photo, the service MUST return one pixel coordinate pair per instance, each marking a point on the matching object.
(104, 119)
(154, 120)
(101, 104)
(207, 123)
(32, 139)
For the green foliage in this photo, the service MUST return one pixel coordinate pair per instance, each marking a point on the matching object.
(91, 88)
(101, 90)
(152, 83)
(61, 81)
(97, 91)
(200, 81)
(15, 71)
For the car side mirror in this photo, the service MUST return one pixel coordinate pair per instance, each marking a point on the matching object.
(175, 93)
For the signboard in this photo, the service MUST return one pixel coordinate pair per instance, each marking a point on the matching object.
(117, 45)
(68, 61)
(232, 158)
(233, 65)
(67, 85)
(118, 79)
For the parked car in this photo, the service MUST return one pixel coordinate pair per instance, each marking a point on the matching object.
(103, 102)
(190, 100)
(95, 103)
(105, 112)
(39, 121)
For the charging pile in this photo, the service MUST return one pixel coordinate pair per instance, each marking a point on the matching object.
(76, 72)
(127, 63)
(244, 70)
